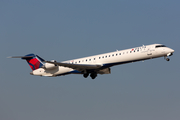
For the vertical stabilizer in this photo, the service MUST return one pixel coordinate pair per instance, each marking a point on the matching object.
(34, 61)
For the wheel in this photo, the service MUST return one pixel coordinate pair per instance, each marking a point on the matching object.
(93, 75)
(167, 59)
(85, 75)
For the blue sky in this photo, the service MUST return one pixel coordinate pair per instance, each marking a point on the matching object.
(68, 29)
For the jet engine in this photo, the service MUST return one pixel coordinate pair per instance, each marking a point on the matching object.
(49, 66)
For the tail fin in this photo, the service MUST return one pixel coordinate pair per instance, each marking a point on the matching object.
(33, 60)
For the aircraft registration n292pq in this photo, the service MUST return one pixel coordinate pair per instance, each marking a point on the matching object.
(97, 64)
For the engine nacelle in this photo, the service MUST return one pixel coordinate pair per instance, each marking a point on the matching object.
(49, 66)
(104, 71)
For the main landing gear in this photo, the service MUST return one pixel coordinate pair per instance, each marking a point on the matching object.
(93, 75)
(85, 75)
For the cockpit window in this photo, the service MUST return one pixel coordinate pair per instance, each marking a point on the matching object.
(157, 46)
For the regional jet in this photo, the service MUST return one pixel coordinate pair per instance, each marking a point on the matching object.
(97, 64)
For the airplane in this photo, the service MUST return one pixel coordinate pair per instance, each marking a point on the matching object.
(97, 64)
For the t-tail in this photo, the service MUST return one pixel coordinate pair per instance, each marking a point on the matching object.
(34, 61)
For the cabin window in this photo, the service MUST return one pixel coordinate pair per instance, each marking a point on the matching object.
(109, 55)
(94, 58)
(106, 56)
(116, 54)
(99, 57)
(119, 53)
(112, 54)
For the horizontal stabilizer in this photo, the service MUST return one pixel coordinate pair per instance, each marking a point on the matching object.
(23, 57)
(34, 61)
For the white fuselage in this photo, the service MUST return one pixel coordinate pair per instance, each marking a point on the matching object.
(107, 60)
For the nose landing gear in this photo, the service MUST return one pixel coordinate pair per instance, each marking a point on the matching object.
(167, 59)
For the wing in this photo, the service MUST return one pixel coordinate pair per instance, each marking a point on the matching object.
(79, 67)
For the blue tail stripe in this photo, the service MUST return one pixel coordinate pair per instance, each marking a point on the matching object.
(32, 66)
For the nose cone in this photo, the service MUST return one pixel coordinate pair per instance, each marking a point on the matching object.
(171, 50)
(31, 73)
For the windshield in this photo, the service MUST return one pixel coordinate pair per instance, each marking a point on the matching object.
(157, 46)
